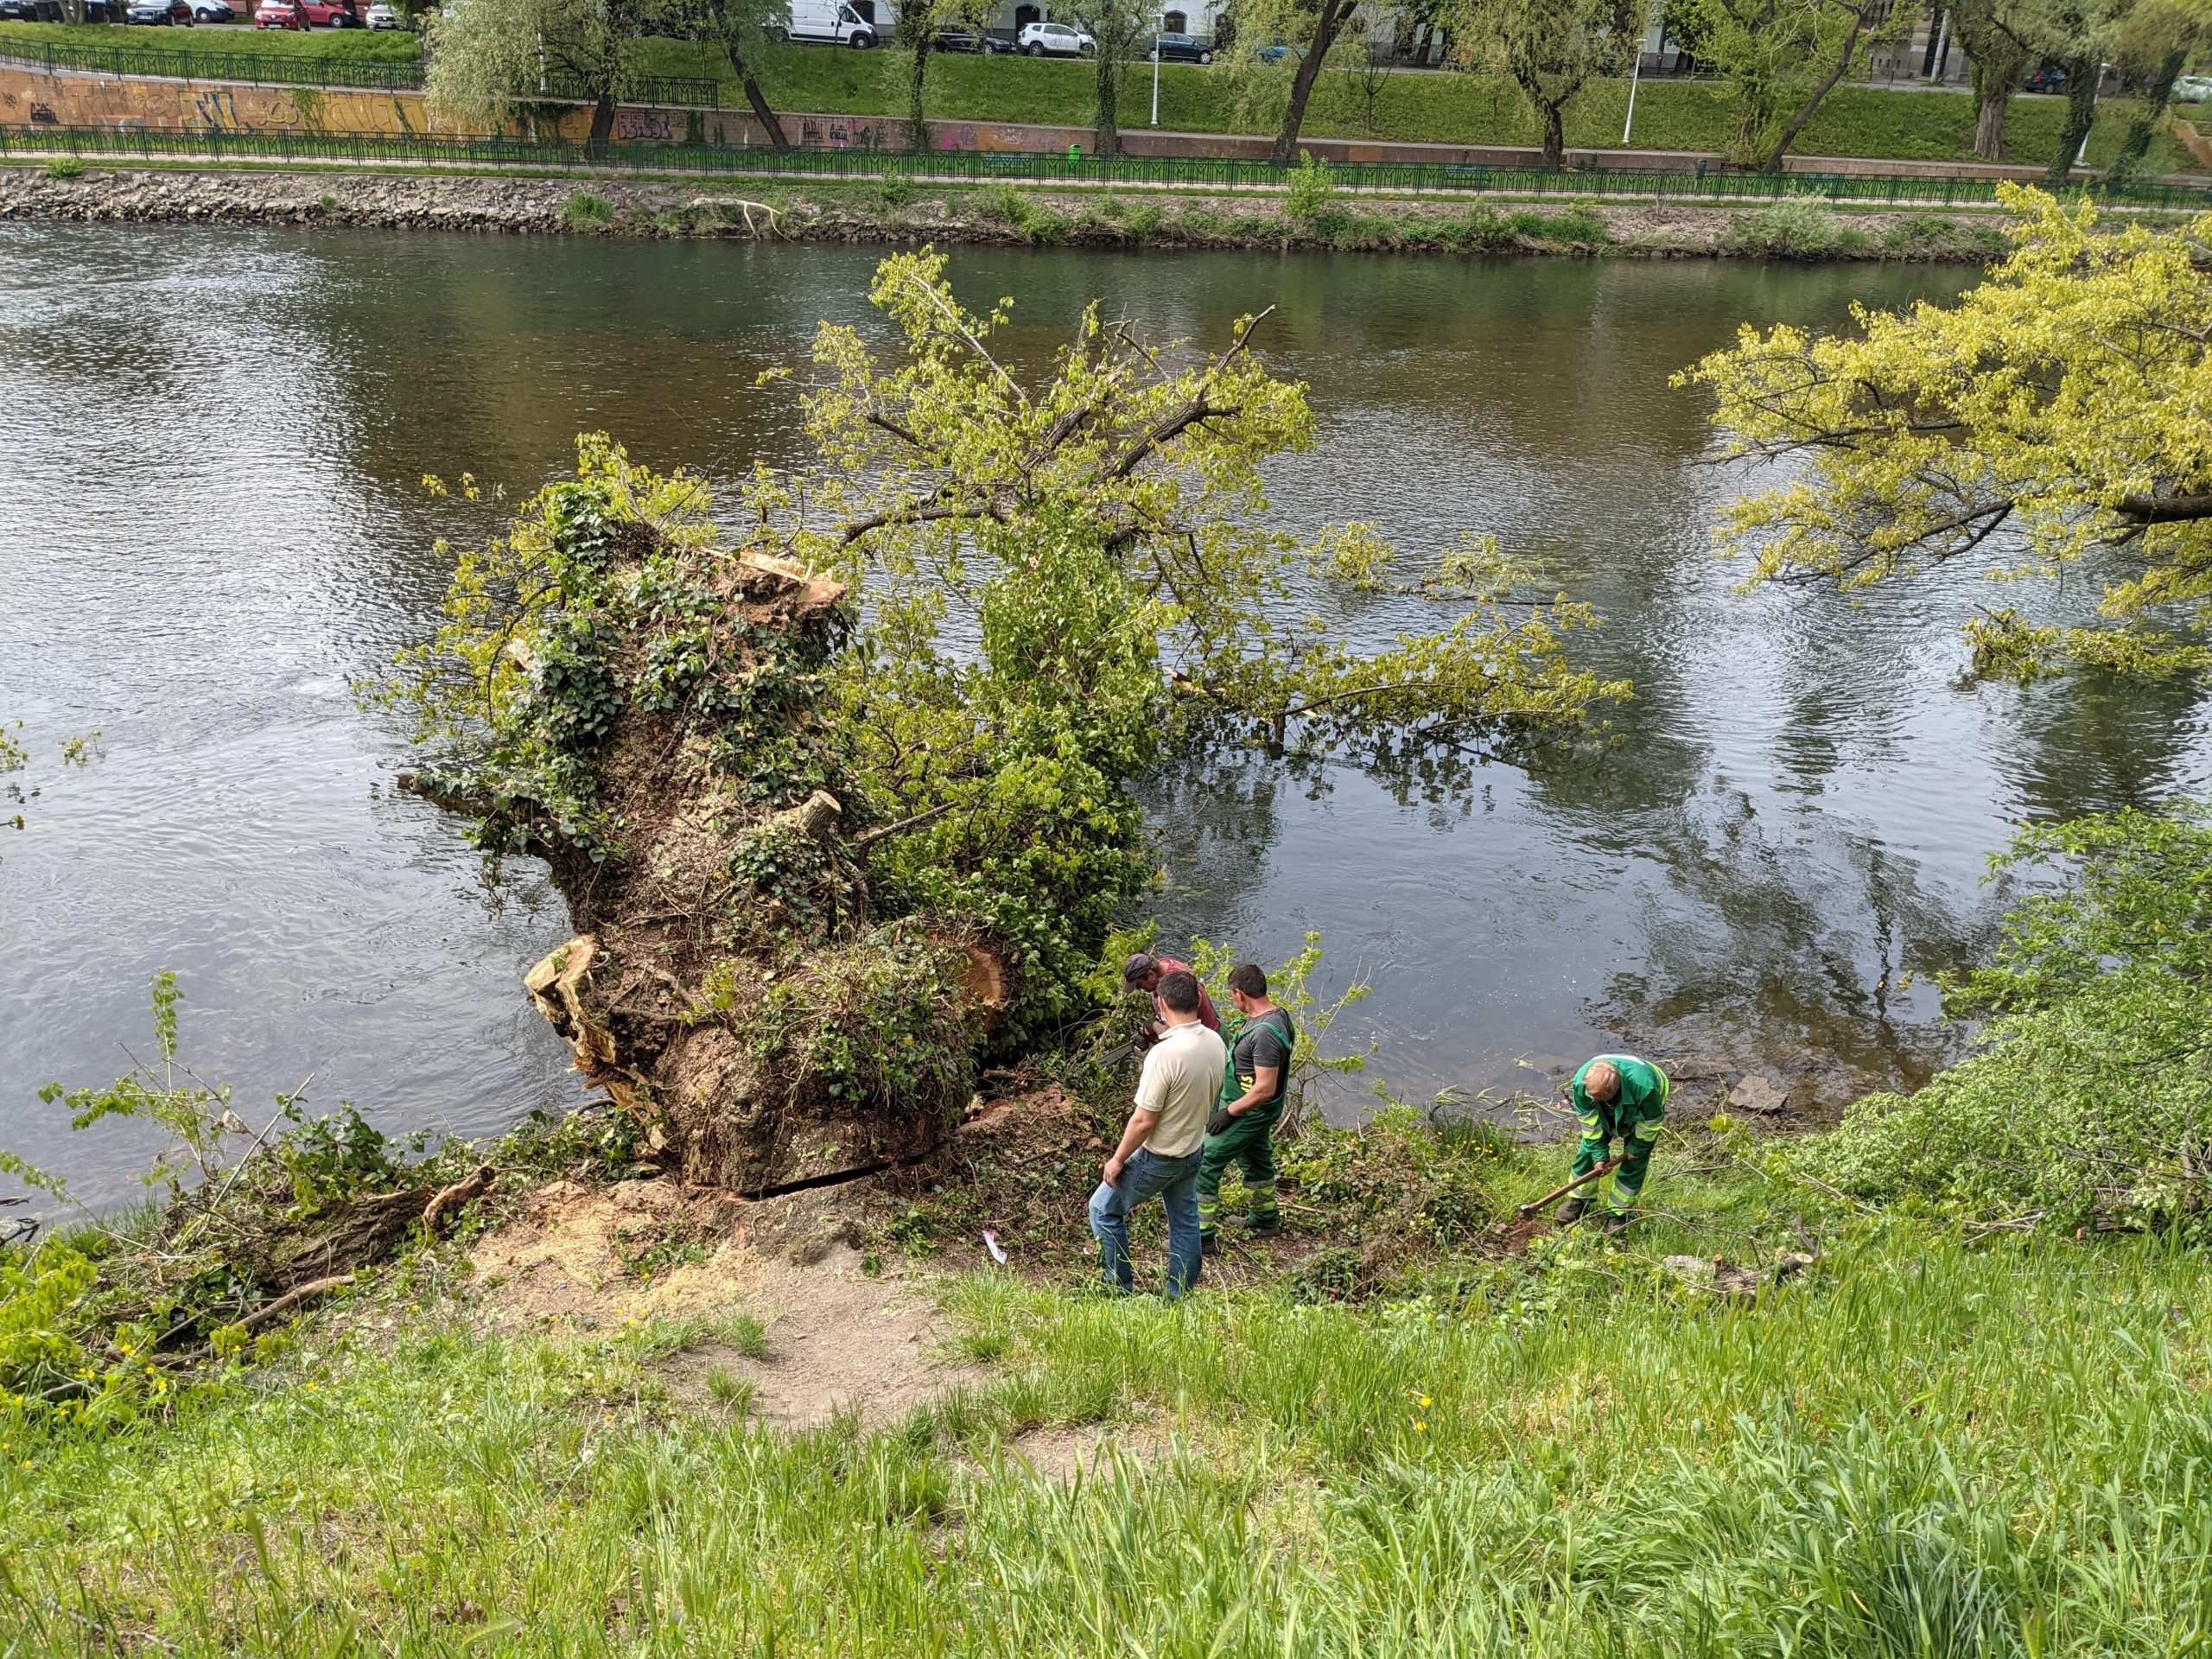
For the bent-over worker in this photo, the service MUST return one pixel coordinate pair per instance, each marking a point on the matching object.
(1143, 973)
(1251, 1101)
(1616, 1095)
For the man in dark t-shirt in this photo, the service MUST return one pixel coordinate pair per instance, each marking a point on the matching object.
(1251, 1100)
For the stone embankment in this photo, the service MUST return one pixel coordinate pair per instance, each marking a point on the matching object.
(901, 212)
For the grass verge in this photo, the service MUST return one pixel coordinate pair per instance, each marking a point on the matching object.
(354, 45)
(1920, 1446)
(1866, 122)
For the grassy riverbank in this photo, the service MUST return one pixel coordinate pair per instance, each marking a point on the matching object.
(1412, 107)
(1918, 1446)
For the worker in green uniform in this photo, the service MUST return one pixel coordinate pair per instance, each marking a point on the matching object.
(1614, 1096)
(1252, 1091)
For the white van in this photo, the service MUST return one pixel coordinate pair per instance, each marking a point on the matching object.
(832, 20)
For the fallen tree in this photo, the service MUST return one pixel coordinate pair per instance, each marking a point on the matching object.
(817, 865)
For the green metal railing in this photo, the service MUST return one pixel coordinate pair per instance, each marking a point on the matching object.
(200, 63)
(1705, 183)
(300, 69)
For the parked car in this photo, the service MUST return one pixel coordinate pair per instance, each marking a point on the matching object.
(2193, 89)
(966, 40)
(1276, 53)
(1180, 48)
(159, 11)
(30, 11)
(279, 14)
(331, 14)
(214, 11)
(1059, 40)
(831, 21)
(382, 15)
(2046, 80)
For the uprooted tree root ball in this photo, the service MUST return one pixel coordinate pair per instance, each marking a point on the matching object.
(817, 868)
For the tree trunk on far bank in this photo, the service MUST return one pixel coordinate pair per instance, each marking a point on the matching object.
(1555, 135)
(2157, 98)
(917, 126)
(758, 100)
(1107, 138)
(1991, 102)
(1326, 24)
(602, 128)
(2081, 75)
(1773, 161)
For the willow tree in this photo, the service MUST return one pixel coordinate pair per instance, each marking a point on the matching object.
(2052, 416)
(1997, 56)
(488, 58)
(834, 774)
(1551, 49)
(1781, 58)
(741, 31)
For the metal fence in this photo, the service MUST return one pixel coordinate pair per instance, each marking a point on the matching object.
(300, 69)
(1705, 183)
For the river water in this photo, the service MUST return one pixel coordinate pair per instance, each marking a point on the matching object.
(211, 517)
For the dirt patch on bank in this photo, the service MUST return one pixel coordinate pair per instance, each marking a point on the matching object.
(841, 1339)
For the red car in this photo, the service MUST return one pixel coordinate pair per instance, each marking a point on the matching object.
(331, 14)
(279, 14)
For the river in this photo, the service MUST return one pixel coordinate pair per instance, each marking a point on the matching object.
(211, 517)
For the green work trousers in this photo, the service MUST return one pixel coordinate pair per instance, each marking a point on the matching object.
(1600, 1128)
(1245, 1144)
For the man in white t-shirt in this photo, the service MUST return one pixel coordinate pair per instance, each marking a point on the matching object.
(1159, 1150)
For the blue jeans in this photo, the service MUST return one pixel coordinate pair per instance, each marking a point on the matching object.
(1176, 1181)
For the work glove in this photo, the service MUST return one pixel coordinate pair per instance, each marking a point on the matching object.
(1219, 1122)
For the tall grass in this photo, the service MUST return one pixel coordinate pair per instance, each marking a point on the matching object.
(1920, 1450)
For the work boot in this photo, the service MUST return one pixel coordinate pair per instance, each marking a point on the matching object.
(1616, 1225)
(1570, 1213)
(1256, 1228)
(1209, 1243)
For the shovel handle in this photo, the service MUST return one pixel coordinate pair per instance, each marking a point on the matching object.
(1559, 1193)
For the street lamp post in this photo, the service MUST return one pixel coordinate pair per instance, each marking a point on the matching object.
(1158, 27)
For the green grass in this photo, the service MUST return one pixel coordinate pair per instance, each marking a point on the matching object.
(1917, 1448)
(351, 44)
(1856, 121)
(1417, 108)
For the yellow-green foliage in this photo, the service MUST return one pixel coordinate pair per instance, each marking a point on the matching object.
(2059, 400)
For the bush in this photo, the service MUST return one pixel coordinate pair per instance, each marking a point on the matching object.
(586, 214)
(2084, 1105)
(1312, 182)
(1796, 227)
(65, 166)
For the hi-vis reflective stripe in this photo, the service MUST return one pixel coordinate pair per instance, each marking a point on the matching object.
(1647, 1130)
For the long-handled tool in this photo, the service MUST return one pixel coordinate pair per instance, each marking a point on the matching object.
(1535, 1204)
